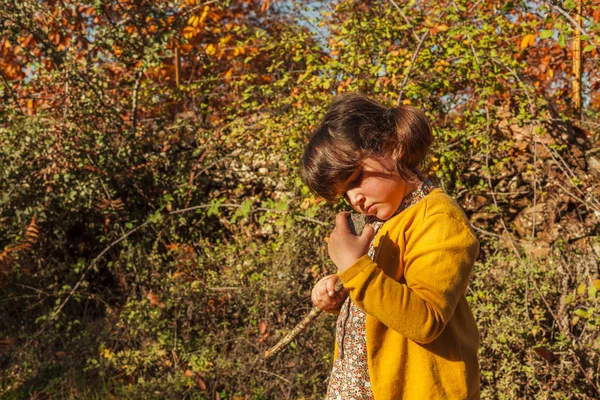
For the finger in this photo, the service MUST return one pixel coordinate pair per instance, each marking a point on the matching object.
(314, 296)
(367, 233)
(331, 286)
(322, 292)
(342, 293)
(341, 221)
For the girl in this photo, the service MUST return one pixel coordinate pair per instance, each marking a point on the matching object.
(404, 330)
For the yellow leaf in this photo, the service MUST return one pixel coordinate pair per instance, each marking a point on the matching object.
(188, 32)
(204, 14)
(193, 21)
(106, 353)
(550, 72)
(528, 40)
(442, 27)
(210, 49)
(581, 289)
(596, 284)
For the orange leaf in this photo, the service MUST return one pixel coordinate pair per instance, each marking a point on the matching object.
(154, 300)
(526, 41)
(265, 5)
(201, 383)
(262, 327)
(177, 274)
(188, 373)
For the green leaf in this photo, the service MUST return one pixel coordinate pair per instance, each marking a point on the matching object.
(546, 33)
(588, 48)
(214, 208)
(592, 291)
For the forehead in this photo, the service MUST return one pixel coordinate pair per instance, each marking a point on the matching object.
(369, 168)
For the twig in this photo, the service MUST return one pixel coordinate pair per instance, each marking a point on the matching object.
(577, 198)
(356, 223)
(87, 269)
(530, 254)
(532, 108)
(94, 261)
(488, 233)
(134, 107)
(566, 333)
(223, 288)
(278, 376)
(412, 62)
(229, 205)
(11, 93)
(405, 19)
(566, 170)
(489, 179)
(125, 236)
(299, 328)
(575, 23)
(583, 371)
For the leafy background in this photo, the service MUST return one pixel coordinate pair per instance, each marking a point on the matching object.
(155, 238)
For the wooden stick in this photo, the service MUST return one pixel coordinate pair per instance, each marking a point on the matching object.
(300, 327)
(356, 223)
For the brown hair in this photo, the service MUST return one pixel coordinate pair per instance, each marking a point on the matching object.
(356, 127)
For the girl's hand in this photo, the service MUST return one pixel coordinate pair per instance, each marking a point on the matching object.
(324, 297)
(344, 247)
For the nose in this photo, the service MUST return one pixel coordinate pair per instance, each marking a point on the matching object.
(356, 198)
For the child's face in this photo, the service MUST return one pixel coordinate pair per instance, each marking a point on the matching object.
(376, 188)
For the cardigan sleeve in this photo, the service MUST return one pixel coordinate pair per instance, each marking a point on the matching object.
(438, 259)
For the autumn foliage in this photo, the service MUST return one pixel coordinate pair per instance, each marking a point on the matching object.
(155, 237)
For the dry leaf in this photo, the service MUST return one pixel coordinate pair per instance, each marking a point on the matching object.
(7, 344)
(262, 327)
(545, 354)
(177, 274)
(188, 373)
(154, 300)
(201, 383)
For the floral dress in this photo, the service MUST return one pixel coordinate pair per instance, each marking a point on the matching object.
(349, 378)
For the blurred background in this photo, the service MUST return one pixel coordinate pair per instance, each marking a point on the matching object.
(155, 238)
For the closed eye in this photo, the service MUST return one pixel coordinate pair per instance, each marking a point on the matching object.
(356, 179)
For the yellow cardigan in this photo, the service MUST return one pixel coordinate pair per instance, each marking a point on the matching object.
(421, 335)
